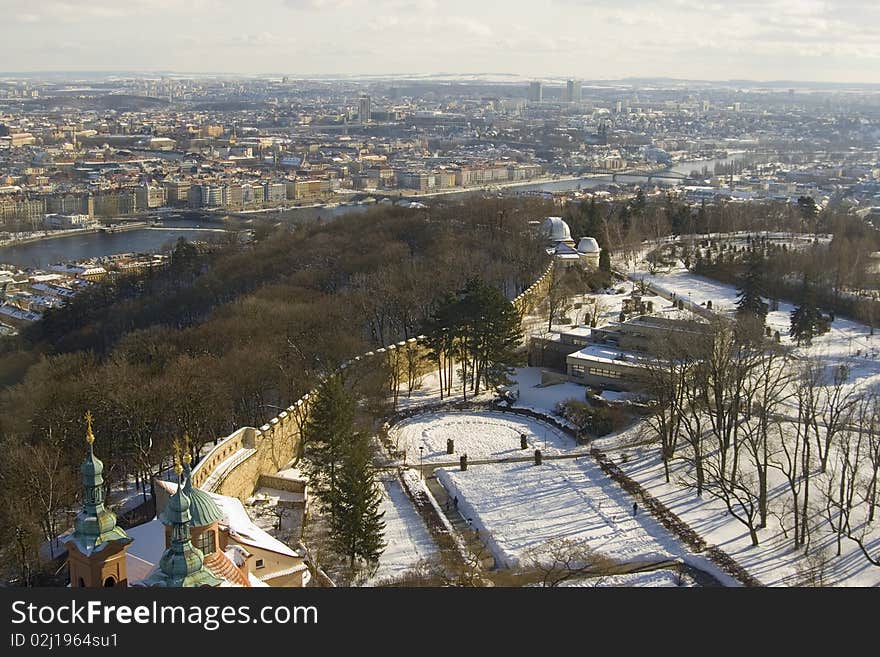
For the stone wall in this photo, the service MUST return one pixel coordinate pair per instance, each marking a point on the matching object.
(528, 300)
(233, 467)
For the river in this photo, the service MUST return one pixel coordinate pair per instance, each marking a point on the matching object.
(598, 180)
(149, 240)
(94, 245)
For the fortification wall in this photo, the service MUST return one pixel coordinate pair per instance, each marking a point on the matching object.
(529, 298)
(233, 467)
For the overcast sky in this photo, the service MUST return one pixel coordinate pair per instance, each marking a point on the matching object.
(832, 40)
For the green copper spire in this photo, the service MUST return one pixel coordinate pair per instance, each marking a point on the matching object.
(182, 564)
(95, 526)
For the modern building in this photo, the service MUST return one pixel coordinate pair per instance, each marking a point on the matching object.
(365, 111)
(573, 91)
(617, 353)
(536, 91)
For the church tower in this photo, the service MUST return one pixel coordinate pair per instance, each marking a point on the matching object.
(96, 548)
(182, 563)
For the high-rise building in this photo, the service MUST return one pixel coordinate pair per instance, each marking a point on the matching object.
(364, 109)
(573, 92)
(536, 91)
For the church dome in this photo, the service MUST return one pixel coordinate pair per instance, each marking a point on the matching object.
(588, 245)
(203, 510)
(556, 230)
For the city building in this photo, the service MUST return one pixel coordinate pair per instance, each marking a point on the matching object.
(536, 91)
(364, 109)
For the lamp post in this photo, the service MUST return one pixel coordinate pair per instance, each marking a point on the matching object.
(421, 460)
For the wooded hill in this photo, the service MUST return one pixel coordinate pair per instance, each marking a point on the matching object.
(220, 339)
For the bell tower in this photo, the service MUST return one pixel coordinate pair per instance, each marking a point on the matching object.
(96, 548)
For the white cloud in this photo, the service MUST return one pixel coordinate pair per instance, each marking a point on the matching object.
(589, 38)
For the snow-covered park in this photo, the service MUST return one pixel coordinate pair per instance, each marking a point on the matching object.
(518, 507)
(774, 562)
(479, 434)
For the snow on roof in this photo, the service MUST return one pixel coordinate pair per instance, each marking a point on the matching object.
(236, 554)
(275, 495)
(255, 581)
(282, 573)
(588, 245)
(578, 331)
(291, 473)
(243, 529)
(148, 541)
(137, 569)
(598, 353)
(45, 278)
(555, 229)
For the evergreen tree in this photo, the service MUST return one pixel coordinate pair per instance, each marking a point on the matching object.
(605, 259)
(807, 321)
(751, 288)
(638, 204)
(808, 208)
(356, 525)
(327, 432)
(480, 329)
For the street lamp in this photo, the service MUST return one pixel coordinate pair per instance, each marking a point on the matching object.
(421, 460)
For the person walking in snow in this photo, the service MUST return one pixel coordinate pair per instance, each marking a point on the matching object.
(635, 508)
(455, 501)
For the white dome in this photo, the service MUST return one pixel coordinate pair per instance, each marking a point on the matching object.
(556, 230)
(588, 245)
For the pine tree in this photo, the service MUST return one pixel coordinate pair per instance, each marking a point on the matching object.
(328, 429)
(638, 204)
(806, 320)
(605, 259)
(480, 329)
(356, 525)
(751, 288)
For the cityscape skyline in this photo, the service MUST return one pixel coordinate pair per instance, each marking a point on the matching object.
(775, 40)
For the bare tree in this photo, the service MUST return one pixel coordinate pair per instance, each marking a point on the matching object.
(838, 403)
(667, 377)
(563, 559)
(739, 492)
(871, 424)
(766, 389)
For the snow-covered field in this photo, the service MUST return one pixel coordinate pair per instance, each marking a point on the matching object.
(543, 399)
(407, 538)
(479, 434)
(520, 506)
